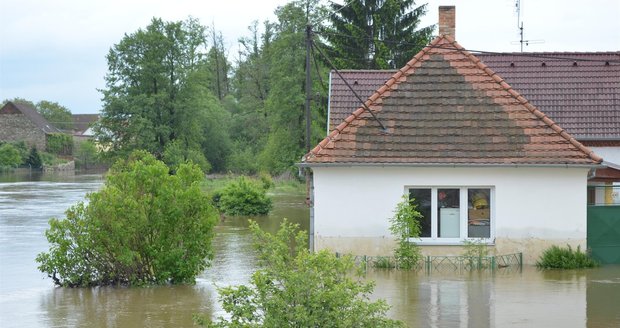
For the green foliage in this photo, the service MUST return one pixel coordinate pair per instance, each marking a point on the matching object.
(384, 262)
(144, 226)
(404, 225)
(475, 248)
(34, 160)
(9, 156)
(244, 197)
(297, 288)
(565, 258)
(176, 154)
(56, 114)
(475, 251)
(376, 34)
(60, 144)
(86, 154)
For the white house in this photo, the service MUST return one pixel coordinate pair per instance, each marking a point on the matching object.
(478, 158)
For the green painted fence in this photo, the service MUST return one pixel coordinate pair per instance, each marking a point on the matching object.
(604, 233)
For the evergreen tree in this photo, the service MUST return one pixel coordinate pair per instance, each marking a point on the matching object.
(34, 159)
(376, 34)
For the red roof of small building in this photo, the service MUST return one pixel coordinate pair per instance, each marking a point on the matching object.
(446, 107)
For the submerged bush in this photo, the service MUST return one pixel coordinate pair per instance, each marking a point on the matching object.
(244, 197)
(405, 224)
(565, 258)
(144, 226)
(294, 287)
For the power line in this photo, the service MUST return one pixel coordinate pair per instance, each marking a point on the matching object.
(518, 54)
(384, 129)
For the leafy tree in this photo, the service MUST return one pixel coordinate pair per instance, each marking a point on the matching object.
(34, 159)
(405, 224)
(58, 115)
(144, 227)
(285, 102)
(297, 288)
(376, 34)
(85, 154)
(147, 71)
(218, 66)
(9, 156)
(176, 153)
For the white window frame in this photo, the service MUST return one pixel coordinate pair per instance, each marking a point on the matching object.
(463, 216)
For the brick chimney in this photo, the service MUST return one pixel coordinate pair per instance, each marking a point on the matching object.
(447, 19)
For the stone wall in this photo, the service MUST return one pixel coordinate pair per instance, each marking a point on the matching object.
(17, 127)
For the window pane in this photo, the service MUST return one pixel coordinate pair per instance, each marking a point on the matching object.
(449, 213)
(422, 199)
(479, 213)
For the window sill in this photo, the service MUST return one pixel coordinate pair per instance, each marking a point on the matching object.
(451, 241)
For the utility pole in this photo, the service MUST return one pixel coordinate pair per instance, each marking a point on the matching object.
(309, 135)
(308, 85)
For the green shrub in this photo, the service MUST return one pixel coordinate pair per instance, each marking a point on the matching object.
(294, 287)
(144, 227)
(383, 262)
(243, 197)
(9, 156)
(565, 258)
(60, 144)
(405, 224)
(475, 252)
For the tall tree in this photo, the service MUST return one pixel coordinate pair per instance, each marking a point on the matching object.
(147, 71)
(60, 116)
(219, 67)
(285, 103)
(376, 34)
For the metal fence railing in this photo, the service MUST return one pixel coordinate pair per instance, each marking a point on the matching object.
(460, 263)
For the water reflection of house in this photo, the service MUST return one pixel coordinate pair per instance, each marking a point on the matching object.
(455, 132)
(20, 122)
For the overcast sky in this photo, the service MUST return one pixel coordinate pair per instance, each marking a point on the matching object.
(55, 49)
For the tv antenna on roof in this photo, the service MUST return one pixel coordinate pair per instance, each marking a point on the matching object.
(520, 27)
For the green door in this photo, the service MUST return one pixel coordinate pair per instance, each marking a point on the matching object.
(604, 233)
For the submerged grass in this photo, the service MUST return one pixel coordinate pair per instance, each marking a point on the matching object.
(556, 257)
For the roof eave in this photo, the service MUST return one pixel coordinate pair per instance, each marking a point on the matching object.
(350, 164)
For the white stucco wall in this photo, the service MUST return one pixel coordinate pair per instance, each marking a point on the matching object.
(533, 206)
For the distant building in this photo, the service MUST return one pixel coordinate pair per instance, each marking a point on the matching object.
(20, 122)
(82, 126)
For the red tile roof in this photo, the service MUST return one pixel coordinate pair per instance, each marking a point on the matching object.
(445, 107)
(579, 91)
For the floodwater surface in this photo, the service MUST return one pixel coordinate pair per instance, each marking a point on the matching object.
(508, 297)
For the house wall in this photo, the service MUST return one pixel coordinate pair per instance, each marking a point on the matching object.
(533, 209)
(18, 127)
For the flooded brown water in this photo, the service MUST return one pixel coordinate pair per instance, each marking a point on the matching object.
(504, 298)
